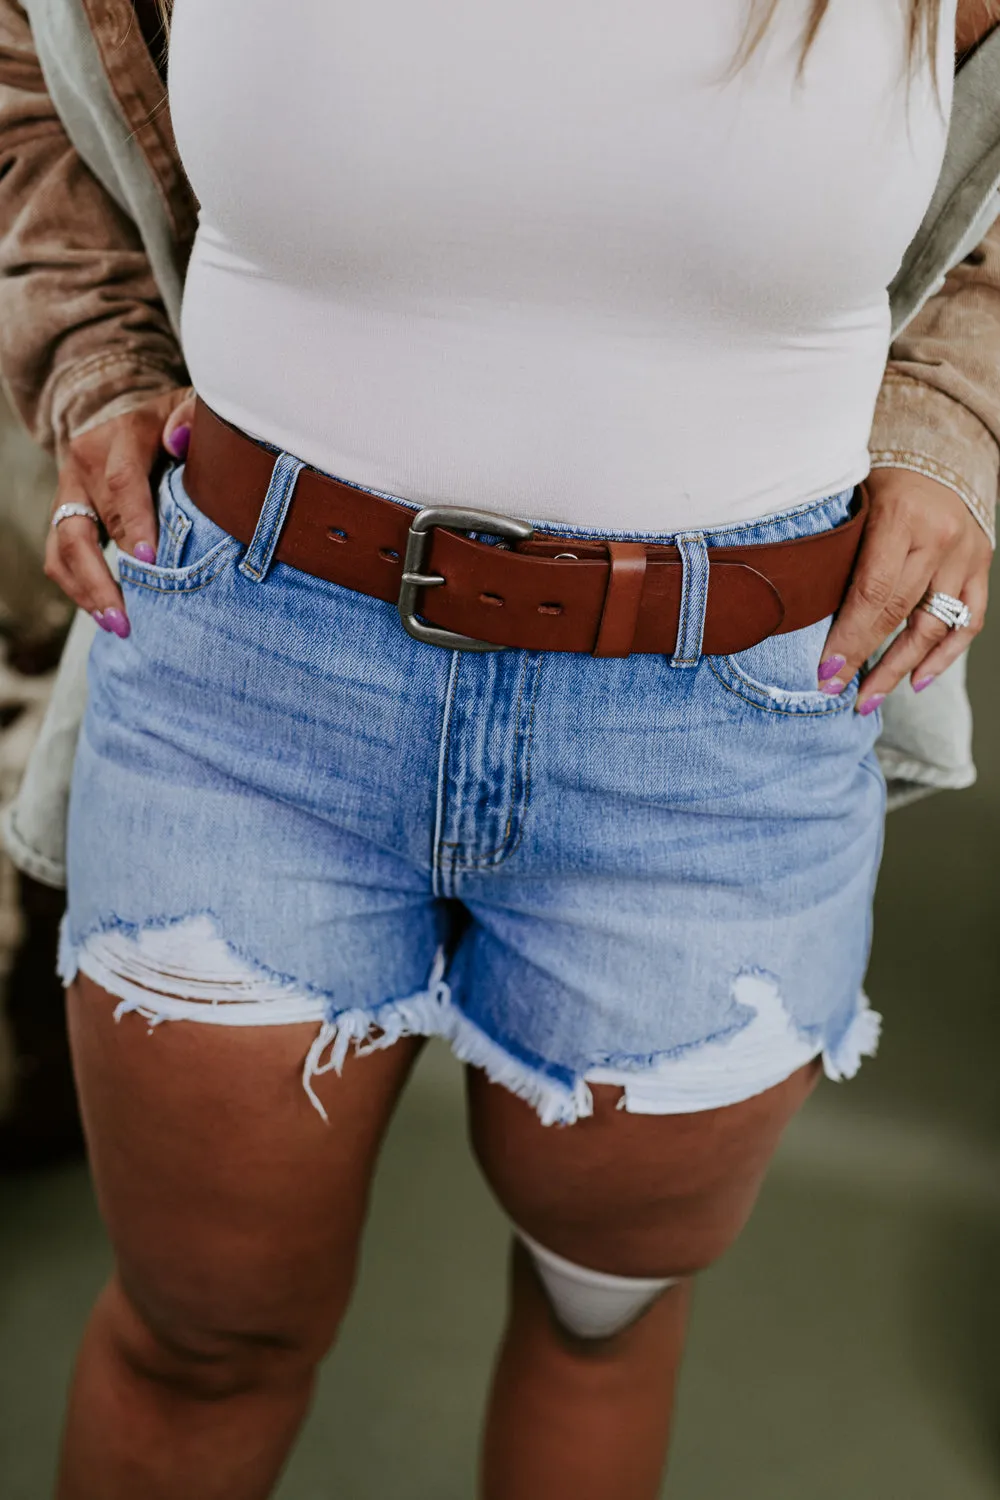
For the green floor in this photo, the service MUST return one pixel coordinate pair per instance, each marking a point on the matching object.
(848, 1349)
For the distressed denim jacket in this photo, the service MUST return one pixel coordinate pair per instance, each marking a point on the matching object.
(96, 225)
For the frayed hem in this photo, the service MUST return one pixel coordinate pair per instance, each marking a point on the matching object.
(215, 985)
(210, 982)
(843, 1059)
(433, 1013)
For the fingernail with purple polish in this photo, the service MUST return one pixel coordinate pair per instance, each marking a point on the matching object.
(115, 621)
(871, 704)
(833, 687)
(921, 683)
(97, 615)
(144, 552)
(831, 667)
(177, 442)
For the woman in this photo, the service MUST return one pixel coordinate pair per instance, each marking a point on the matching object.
(625, 866)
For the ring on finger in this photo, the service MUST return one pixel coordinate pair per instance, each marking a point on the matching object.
(946, 608)
(73, 508)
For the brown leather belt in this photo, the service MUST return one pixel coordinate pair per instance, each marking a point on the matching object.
(539, 592)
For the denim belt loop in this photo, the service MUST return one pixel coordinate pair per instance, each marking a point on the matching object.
(694, 599)
(273, 514)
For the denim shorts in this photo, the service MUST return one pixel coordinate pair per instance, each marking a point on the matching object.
(655, 872)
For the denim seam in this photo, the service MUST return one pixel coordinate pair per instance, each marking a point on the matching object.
(836, 703)
(641, 1062)
(485, 855)
(485, 859)
(215, 561)
(696, 567)
(437, 863)
(273, 515)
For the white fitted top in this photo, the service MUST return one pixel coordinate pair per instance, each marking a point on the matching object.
(541, 257)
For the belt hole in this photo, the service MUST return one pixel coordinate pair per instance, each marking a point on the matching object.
(389, 553)
(493, 599)
(550, 609)
(337, 534)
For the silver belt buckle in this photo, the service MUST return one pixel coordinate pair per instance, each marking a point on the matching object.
(451, 518)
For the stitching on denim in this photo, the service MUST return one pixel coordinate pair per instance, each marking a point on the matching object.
(437, 864)
(507, 849)
(639, 1063)
(176, 522)
(178, 535)
(273, 515)
(190, 580)
(834, 704)
(696, 568)
(484, 855)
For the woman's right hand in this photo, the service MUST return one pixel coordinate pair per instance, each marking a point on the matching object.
(108, 469)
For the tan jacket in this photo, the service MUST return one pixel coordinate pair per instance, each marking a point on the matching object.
(84, 334)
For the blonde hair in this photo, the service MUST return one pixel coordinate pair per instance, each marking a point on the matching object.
(923, 27)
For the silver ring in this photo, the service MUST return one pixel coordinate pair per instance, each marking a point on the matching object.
(949, 610)
(63, 513)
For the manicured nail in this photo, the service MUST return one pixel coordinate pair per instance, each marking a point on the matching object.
(115, 621)
(144, 552)
(833, 687)
(831, 667)
(922, 682)
(177, 442)
(97, 615)
(871, 704)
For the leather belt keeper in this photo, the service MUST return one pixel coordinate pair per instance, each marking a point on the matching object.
(549, 593)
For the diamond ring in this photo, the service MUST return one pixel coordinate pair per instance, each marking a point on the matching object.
(949, 610)
(63, 512)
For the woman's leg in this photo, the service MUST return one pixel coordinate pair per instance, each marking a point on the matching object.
(235, 1214)
(633, 1195)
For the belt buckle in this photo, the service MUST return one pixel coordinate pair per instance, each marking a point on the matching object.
(451, 518)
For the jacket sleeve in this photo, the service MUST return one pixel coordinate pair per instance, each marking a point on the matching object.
(938, 411)
(83, 333)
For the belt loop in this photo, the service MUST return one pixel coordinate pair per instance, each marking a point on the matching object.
(273, 514)
(694, 599)
(623, 599)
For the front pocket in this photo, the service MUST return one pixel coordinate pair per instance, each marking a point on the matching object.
(779, 674)
(191, 550)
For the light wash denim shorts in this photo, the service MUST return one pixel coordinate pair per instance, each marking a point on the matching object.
(651, 872)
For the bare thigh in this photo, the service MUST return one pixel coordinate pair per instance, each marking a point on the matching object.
(630, 1194)
(234, 1210)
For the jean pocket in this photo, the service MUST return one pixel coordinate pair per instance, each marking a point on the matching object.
(780, 674)
(191, 550)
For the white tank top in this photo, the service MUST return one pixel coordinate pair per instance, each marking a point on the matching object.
(541, 257)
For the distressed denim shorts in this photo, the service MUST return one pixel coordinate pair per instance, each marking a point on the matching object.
(651, 872)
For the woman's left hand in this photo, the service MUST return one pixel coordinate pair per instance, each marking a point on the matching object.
(920, 536)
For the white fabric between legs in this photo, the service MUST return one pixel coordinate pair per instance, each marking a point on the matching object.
(592, 1304)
